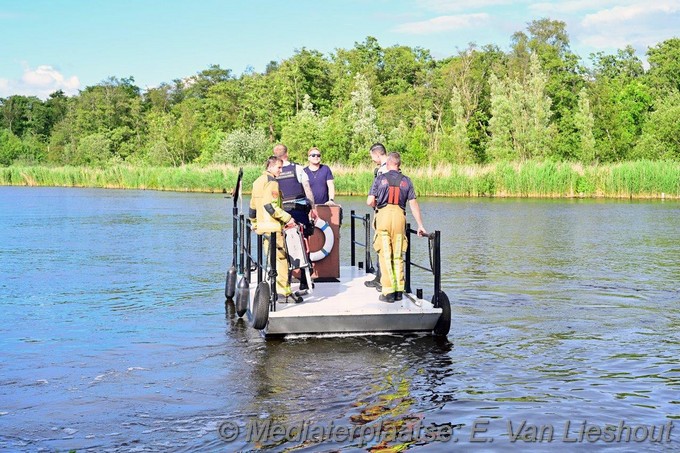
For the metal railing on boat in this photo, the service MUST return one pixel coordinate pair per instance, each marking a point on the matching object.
(434, 249)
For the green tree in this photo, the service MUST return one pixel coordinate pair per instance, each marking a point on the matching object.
(455, 141)
(664, 65)
(10, 147)
(113, 108)
(583, 120)
(94, 150)
(363, 117)
(303, 131)
(549, 40)
(501, 145)
(158, 148)
(661, 133)
(520, 116)
(336, 135)
(185, 136)
(619, 102)
(199, 84)
(403, 68)
(243, 146)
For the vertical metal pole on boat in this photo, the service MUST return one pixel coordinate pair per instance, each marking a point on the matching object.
(367, 222)
(353, 239)
(234, 215)
(407, 260)
(241, 257)
(249, 259)
(260, 263)
(272, 271)
(437, 268)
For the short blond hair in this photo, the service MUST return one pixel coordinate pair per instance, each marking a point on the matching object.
(394, 158)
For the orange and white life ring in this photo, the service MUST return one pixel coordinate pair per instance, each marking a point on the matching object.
(328, 242)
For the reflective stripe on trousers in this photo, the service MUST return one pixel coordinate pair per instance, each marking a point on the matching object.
(282, 277)
(390, 243)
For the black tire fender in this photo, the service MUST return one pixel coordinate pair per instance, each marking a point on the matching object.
(230, 285)
(260, 314)
(242, 297)
(441, 329)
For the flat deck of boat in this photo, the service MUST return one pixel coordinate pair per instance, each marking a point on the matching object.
(348, 306)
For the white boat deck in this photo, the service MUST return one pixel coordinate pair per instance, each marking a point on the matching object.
(348, 306)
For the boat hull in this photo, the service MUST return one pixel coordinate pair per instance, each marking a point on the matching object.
(349, 307)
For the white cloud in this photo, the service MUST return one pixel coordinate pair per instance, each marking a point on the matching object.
(601, 41)
(630, 12)
(640, 24)
(443, 23)
(41, 82)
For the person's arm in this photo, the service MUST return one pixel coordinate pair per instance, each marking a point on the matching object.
(310, 196)
(370, 201)
(252, 214)
(331, 191)
(303, 178)
(308, 193)
(270, 200)
(415, 210)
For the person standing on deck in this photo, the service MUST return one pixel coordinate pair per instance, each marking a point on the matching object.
(298, 199)
(320, 178)
(389, 195)
(267, 217)
(379, 158)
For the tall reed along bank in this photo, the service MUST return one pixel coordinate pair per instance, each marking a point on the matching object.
(536, 179)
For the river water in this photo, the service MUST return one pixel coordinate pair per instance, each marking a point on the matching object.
(115, 335)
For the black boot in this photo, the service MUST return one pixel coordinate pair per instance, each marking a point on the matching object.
(375, 283)
(389, 298)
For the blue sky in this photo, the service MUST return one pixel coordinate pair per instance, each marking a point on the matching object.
(47, 45)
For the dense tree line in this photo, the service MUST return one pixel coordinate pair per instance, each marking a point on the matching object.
(537, 100)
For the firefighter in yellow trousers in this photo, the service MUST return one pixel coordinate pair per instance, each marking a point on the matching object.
(267, 216)
(389, 194)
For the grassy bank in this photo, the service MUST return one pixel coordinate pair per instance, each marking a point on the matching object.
(639, 179)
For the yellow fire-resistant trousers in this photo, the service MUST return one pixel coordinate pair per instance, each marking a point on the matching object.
(282, 277)
(390, 243)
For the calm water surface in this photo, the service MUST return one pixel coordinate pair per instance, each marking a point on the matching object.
(115, 335)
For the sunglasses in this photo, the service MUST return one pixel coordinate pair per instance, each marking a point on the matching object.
(315, 155)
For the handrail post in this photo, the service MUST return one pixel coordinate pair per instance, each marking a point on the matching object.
(437, 268)
(234, 227)
(241, 257)
(260, 261)
(407, 260)
(367, 221)
(272, 271)
(249, 247)
(352, 236)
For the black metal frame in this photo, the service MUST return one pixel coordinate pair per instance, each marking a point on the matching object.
(243, 247)
(435, 263)
(435, 257)
(366, 219)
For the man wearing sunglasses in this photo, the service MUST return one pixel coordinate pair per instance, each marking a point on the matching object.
(320, 178)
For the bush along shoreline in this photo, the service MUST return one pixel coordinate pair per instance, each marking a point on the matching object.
(530, 179)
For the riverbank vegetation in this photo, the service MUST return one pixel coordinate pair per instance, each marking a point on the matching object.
(640, 179)
(532, 120)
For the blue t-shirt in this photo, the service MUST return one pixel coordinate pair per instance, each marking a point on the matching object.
(318, 182)
(381, 189)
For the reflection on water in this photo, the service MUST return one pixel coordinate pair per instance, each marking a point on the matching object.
(116, 337)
